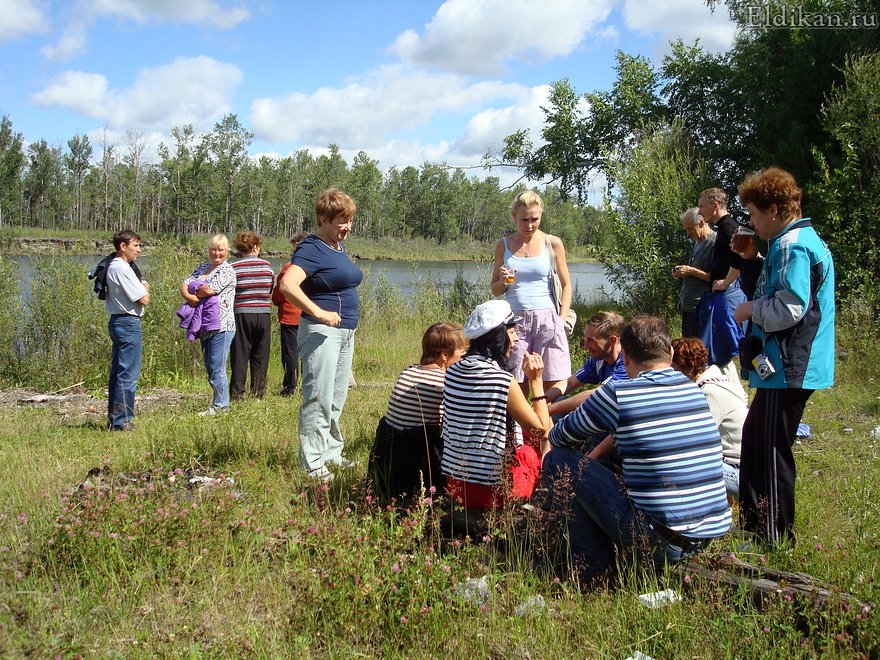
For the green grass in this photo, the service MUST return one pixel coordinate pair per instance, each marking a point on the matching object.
(269, 564)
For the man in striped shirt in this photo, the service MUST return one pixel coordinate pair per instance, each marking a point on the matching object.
(671, 500)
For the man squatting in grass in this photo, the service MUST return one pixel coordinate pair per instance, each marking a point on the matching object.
(672, 499)
(126, 298)
(602, 341)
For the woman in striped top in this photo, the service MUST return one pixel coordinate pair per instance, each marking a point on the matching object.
(253, 316)
(484, 466)
(406, 452)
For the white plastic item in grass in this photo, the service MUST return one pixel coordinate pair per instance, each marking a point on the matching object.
(659, 598)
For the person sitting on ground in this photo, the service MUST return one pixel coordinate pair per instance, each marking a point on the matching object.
(602, 342)
(727, 402)
(670, 500)
(407, 449)
(483, 465)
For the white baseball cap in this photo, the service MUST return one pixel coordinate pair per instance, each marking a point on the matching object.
(488, 316)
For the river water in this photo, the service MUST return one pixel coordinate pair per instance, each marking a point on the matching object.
(590, 282)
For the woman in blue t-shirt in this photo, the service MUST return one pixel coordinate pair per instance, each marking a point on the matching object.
(322, 281)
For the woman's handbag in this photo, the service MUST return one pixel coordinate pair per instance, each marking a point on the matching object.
(556, 290)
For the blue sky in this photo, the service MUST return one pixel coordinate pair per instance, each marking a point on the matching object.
(407, 81)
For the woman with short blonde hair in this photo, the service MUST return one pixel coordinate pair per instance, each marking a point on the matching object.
(215, 278)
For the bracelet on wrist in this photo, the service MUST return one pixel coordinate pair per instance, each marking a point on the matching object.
(539, 398)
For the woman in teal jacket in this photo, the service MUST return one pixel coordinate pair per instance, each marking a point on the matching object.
(792, 338)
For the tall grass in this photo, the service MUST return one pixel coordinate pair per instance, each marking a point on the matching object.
(262, 562)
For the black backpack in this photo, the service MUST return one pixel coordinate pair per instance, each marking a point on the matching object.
(99, 274)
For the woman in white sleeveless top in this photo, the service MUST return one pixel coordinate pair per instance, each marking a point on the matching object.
(521, 272)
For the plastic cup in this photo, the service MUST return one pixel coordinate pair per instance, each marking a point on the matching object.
(510, 278)
(742, 238)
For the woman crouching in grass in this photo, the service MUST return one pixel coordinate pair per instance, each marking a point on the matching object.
(483, 464)
(407, 450)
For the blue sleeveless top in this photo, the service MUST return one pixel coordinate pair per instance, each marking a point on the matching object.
(531, 288)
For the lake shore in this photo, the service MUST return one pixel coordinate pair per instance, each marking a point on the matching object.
(414, 250)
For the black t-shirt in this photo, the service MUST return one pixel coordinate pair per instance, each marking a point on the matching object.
(722, 256)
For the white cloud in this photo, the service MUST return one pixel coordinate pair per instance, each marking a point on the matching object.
(194, 90)
(681, 19)
(487, 129)
(72, 42)
(367, 112)
(484, 131)
(208, 13)
(478, 37)
(19, 18)
(200, 12)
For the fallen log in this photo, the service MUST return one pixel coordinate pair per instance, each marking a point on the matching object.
(728, 569)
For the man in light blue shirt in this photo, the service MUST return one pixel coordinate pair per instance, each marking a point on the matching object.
(126, 298)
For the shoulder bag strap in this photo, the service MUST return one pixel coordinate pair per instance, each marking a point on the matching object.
(549, 241)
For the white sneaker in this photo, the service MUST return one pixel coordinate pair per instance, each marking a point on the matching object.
(208, 412)
(343, 463)
(321, 474)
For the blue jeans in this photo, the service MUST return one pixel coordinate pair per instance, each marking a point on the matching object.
(125, 369)
(326, 354)
(216, 349)
(734, 296)
(730, 474)
(601, 516)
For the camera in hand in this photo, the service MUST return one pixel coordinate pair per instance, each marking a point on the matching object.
(762, 366)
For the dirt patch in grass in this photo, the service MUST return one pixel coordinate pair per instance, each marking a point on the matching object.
(75, 405)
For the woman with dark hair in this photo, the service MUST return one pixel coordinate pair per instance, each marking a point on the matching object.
(407, 450)
(727, 402)
(288, 319)
(253, 316)
(790, 350)
(483, 464)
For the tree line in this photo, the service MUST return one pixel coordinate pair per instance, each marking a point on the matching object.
(208, 183)
(801, 98)
(805, 99)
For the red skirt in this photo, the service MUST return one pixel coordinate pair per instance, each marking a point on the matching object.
(524, 475)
